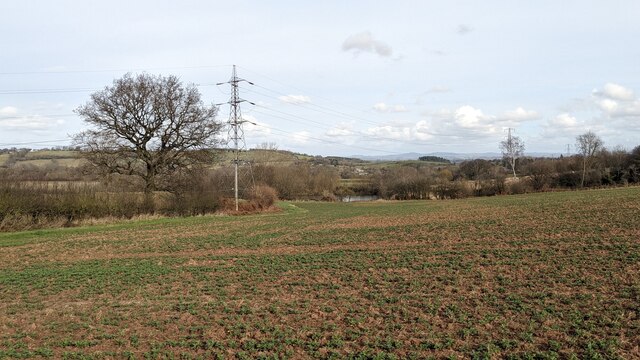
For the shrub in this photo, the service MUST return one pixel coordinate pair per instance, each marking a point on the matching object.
(451, 190)
(489, 187)
(329, 196)
(540, 173)
(519, 186)
(263, 196)
(568, 180)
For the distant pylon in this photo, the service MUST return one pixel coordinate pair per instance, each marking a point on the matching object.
(236, 133)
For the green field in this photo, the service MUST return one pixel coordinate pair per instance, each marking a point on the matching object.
(52, 154)
(45, 158)
(540, 276)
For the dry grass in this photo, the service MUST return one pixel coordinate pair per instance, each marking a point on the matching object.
(3, 159)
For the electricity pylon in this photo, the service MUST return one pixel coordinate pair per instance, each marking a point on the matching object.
(236, 133)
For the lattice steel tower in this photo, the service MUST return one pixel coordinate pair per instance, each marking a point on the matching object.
(236, 133)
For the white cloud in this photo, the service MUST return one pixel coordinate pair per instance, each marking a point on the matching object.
(380, 107)
(404, 131)
(615, 91)
(472, 123)
(617, 101)
(341, 130)
(623, 110)
(8, 110)
(422, 130)
(519, 115)
(32, 122)
(295, 99)
(12, 120)
(390, 132)
(564, 121)
(611, 112)
(255, 128)
(364, 42)
(384, 108)
(614, 111)
(608, 105)
(469, 117)
(565, 125)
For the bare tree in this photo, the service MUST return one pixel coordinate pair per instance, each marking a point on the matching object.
(633, 164)
(512, 148)
(267, 145)
(478, 169)
(540, 172)
(148, 126)
(588, 144)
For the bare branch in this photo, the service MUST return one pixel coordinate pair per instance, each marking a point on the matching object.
(512, 148)
(147, 126)
(588, 144)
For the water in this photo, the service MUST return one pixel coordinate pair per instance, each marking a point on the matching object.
(358, 198)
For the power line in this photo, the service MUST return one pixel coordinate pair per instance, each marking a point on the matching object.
(35, 115)
(321, 126)
(330, 114)
(35, 142)
(62, 90)
(110, 70)
(299, 89)
(316, 107)
(320, 139)
(309, 106)
(361, 134)
(339, 113)
(318, 124)
(43, 91)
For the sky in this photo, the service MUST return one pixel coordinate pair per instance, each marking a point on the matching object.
(339, 77)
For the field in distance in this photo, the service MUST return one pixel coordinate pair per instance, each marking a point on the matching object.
(549, 275)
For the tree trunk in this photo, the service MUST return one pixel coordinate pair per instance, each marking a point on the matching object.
(584, 170)
(150, 179)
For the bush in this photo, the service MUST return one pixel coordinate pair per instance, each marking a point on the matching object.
(329, 196)
(193, 193)
(263, 196)
(593, 178)
(451, 190)
(244, 207)
(519, 186)
(568, 180)
(489, 187)
(540, 172)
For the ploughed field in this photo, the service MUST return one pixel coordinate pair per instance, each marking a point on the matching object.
(551, 275)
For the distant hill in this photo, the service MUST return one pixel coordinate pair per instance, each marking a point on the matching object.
(455, 157)
(67, 158)
(396, 157)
